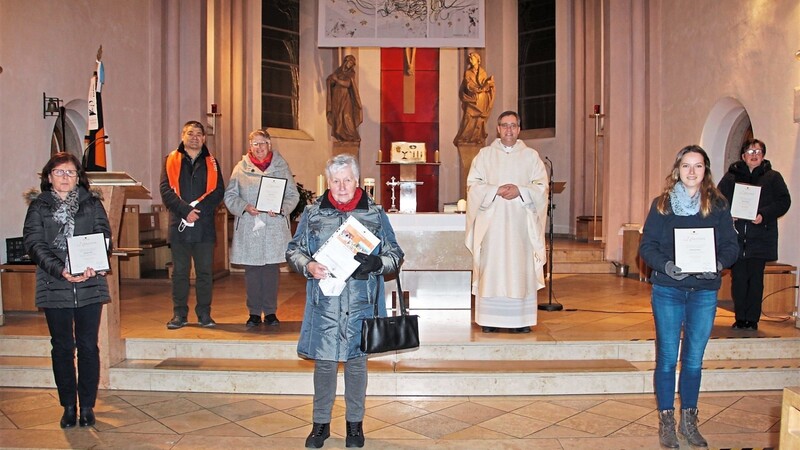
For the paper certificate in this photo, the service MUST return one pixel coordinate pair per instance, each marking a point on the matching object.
(270, 194)
(695, 250)
(744, 204)
(88, 250)
(337, 252)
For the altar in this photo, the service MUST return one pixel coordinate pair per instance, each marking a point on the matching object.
(437, 268)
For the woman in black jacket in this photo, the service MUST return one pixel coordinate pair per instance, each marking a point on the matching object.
(72, 303)
(758, 238)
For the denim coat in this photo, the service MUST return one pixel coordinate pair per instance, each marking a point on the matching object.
(331, 328)
(39, 232)
(266, 245)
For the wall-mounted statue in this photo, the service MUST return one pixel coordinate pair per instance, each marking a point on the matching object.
(343, 105)
(477, 98)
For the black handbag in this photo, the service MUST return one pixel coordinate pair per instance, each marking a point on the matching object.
(386, 334)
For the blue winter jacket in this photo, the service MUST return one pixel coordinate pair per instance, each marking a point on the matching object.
(657, 246)
(331, 328)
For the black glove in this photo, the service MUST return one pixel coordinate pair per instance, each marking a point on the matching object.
(674, 271)
(710, 275)
(369, 264)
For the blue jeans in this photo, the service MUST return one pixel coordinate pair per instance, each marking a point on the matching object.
(693, 311)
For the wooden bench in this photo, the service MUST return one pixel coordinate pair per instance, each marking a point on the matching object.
(148, 233)
(779, 292)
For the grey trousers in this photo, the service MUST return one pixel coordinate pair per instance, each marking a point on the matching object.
(355, 389)
(261, 285)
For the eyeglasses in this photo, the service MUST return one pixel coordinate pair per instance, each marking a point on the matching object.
(259, 144)
(512, 126)
(754, 151)
(62, 172)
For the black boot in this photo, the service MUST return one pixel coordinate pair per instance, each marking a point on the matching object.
(666, 429)
(355, 435)
(688, 429)
(70, 417)
(319, 432)
(87, 417)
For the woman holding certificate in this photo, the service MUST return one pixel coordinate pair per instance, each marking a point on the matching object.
(72, 299)
(758, 228)
(690, 205)
(331, 329)
(260, 194)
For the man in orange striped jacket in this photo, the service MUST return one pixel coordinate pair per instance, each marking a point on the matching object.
(191, 189)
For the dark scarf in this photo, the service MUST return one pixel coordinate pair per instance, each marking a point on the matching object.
(64, 213)
(262, 165)
(349, 206)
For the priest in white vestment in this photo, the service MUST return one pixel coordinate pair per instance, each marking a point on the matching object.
(507, 190)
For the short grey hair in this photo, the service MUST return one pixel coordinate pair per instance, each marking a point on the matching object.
(339, 162)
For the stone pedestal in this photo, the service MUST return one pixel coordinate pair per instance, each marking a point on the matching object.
(346, 147)
(466, 153)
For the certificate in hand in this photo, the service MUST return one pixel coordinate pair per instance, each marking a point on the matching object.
(337, 252)
(270, 194)
(88, 250)
(695, 250)
(744, 204)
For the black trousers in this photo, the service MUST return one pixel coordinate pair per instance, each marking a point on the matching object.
(71, 328)
(182, 255)
(747, 288)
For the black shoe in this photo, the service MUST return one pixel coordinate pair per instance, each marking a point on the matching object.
(177, 322)
(206, 322)
(521, 330)
(355, 435)
(739, 325)
(489, 329)
(87, 417)
(70, 417)
(271, 319)
(319, 432)
(253, 321)
(751, 325)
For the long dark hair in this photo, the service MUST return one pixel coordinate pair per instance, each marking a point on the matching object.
(710, 196)
(56, 160)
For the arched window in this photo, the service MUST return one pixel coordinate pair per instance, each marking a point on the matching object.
(280, 63)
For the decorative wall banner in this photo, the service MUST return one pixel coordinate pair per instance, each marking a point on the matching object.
(401, 23)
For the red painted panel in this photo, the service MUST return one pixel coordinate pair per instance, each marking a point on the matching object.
(421, 126)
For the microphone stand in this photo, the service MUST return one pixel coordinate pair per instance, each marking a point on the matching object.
(550, 306)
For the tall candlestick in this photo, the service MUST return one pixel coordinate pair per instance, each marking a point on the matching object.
(320, 185)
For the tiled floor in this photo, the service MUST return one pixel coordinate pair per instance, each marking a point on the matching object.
(194, 421)
(598, 307)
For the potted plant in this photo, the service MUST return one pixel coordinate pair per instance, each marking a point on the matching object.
(306, 198)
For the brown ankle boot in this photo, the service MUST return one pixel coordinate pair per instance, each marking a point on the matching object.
(688, 429)
(666, 429)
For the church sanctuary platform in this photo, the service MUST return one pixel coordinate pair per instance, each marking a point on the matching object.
(601, 343)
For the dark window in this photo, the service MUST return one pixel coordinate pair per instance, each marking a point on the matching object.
(537, 63)
(280, 63)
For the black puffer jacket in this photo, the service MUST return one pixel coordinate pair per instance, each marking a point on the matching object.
(759, 241)
(41, 229)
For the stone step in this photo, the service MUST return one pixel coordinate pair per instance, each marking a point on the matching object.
(437, 378)
(583, 267)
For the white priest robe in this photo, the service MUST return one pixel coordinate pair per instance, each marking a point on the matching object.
(506, 237)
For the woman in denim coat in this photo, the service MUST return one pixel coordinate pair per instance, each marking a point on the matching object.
(331, 329)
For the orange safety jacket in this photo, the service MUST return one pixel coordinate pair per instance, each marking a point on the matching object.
(174, 161)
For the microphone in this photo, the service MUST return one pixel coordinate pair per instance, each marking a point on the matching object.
(85, 149)
(550, 163)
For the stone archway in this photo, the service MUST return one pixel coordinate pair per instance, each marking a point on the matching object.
(726, 127)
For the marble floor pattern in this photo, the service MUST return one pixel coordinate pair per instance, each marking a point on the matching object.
(597, 307)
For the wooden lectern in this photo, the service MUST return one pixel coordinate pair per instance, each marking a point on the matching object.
(115, 187)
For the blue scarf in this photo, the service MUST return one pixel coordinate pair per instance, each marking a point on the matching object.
(682, 204)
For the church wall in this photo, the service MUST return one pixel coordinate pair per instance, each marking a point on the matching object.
(51, 46)
(741, 49)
